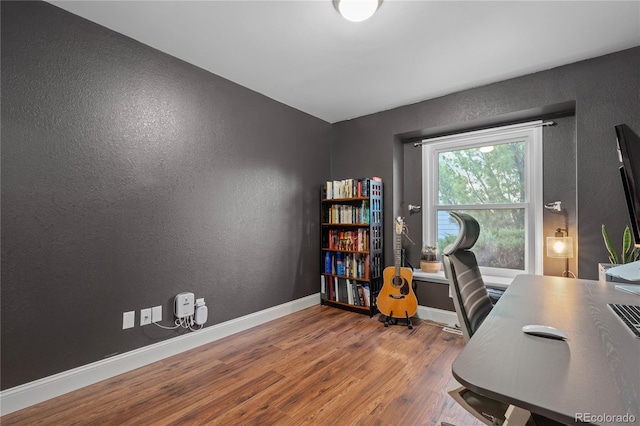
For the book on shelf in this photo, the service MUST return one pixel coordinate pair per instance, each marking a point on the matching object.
(367, 294)
(357, 240)
(345, 290)
(357, 294)
(347, 214)
(331, 290)
(352, 265)
(347, 188)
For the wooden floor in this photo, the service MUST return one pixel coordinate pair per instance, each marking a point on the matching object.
(319, 366)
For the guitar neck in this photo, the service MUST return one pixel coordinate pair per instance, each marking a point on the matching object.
(398, 252)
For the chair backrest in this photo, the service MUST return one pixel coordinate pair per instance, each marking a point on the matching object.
(469, 293)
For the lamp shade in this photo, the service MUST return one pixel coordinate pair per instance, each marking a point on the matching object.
(560, 247)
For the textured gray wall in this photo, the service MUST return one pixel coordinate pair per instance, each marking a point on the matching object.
(129, 176)
(606, 92)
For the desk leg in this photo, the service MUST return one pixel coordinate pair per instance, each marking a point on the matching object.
(516, 416)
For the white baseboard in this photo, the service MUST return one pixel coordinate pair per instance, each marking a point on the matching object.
(437, 315)
(31, 393)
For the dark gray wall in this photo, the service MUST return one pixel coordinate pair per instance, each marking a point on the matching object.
(604, 91)
(129, 176)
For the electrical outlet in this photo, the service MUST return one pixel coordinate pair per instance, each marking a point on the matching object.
(145, 316)
(128, 319)
(156, 314)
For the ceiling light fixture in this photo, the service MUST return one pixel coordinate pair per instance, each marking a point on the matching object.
(356, 10)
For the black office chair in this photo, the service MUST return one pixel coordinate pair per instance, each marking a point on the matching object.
(472, 303)
(470, 296)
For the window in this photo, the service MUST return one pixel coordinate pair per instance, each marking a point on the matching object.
(495, 176)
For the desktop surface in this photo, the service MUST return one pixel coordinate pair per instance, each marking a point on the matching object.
(594, 375)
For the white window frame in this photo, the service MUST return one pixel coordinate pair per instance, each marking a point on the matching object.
(531, 134)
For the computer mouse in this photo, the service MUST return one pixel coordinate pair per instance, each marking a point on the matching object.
(545, 331)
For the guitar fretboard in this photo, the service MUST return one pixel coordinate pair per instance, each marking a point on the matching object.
(399, 227)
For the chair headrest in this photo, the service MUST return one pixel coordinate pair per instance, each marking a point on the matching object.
(468, 235)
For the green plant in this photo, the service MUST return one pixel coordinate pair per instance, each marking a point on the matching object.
(429, 253)
(628, 254)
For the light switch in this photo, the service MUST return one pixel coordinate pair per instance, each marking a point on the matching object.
(128, 319)
(156, 314)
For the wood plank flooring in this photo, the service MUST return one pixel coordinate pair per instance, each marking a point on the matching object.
(319, 366)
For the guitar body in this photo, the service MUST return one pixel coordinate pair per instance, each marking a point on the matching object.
(396, 298)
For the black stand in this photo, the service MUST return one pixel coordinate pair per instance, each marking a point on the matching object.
(389, 320)
(405, 262)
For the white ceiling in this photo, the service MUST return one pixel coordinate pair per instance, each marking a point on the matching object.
(304, 54)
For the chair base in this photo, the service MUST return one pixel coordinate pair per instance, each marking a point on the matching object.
(488, 411)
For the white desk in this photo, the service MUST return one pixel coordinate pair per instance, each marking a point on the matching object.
(596, 372)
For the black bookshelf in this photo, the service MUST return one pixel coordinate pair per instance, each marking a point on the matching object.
(351, 236)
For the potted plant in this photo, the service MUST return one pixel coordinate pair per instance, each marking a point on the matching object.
(628, 254)
(429, 259)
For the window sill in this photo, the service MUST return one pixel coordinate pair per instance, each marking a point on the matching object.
(438, 277)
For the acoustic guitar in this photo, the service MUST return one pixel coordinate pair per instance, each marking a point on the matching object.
(396, 298)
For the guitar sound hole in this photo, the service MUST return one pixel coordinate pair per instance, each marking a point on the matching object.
(401, 283)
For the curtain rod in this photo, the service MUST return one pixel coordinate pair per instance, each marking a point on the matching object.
(514, 126)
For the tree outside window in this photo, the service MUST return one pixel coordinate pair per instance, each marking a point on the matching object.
(491, 175)
(481, 176)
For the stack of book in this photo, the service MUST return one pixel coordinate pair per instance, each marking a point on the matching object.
(345, 290)
(347, 188)
(352, 265)
(348, 240)
(348, 214)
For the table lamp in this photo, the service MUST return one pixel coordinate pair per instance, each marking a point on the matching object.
(561, 246)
